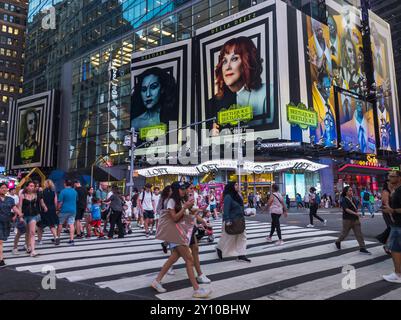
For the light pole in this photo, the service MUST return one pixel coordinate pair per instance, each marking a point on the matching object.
(131, 168)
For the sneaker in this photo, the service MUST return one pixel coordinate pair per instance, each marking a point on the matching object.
(57, 242)
(310, 226)
(2, 264)
(325, 222)
(171, 272)
(80, 236)
(243, 259)
(15, 252)
(219, 253)
(203, 279)
(373, 215)
(202, 293)
(53, 240)
(392, 278)
(129, 231)
(88, 236)
(71, 243)
(364, 251)
(279, 243)
(164, 247)
(338, 245)
(158, 287)
(269, 240)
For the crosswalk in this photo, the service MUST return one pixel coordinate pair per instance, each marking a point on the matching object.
(307, 266)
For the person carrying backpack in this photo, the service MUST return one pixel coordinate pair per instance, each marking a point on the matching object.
(365, 197)
(314, 200)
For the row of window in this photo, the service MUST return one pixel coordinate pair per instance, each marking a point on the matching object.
(10, 53)
(10, 30)
(9, 41)
(12, 8)
(12, 19)
(10, 76)
(8, 88)
(10, 64)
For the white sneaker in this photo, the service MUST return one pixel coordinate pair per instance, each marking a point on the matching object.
(325, 222)
(310, 226)
(202, 293)
(171, 272)
(203, 279)
(279, 243)
(158, 287)
(392, 278)
(15, 252)
(269, 240)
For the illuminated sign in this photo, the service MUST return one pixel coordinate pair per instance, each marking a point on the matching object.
(235, 114)
(371, 161)
(153, 131)
(300, 115)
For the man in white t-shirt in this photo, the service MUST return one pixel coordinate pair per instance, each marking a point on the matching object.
(12, 193)
(146, 203)
(156, 199)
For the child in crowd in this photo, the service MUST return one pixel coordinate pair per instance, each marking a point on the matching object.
(96, 218)
(128, 215)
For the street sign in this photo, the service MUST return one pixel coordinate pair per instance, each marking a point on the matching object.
(127, 140)
(129, 184)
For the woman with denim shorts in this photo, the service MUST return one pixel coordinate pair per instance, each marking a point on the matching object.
(30, 205)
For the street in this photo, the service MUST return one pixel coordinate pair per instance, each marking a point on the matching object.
(307, 266)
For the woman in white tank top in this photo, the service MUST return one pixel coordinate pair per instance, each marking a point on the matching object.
(277, 208)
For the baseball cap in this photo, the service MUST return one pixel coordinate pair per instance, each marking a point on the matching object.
(178, 185)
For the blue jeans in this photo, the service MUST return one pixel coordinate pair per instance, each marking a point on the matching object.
(394, 241)
(367, 205)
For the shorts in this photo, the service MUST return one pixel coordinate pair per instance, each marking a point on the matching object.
(29, 219)
(67, 217)
(5, 228)
(212, 207)
(96, 223)
(394, 241)
(148, 214)
(80, 214)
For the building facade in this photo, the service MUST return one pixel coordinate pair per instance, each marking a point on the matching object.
(13, 15)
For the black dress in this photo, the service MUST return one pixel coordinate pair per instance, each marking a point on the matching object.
(49, 218)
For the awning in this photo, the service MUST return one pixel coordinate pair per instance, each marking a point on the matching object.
(363, 170)
(248, 167)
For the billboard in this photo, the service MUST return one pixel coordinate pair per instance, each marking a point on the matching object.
(356, 120)
(161, 89)
(31, 132)
(384, 75)
(238, 73)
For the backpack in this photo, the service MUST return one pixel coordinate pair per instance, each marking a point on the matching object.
(366, 196)
(143, 196)
(318, 200)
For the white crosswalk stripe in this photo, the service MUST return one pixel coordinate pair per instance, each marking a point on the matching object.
(307, 266)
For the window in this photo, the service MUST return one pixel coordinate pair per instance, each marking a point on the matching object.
(4, 99)
(16, 31)
(4, 28)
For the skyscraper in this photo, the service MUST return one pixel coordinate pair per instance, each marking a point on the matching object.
(12, 36)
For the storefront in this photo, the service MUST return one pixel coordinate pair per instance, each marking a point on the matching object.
(370, 174)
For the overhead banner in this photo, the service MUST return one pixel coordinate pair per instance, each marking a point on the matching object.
(385, 79)
(161, 90)
(238, 73)
(32, 132)
(356, 123)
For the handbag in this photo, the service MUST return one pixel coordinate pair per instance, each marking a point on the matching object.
(179, 232)
(236, 227)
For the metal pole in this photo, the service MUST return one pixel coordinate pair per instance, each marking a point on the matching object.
(239, 156)
(131, 168)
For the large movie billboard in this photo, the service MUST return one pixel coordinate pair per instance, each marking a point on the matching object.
(161, 89)
(384, 74)
(238, 73)
(357, 126)
(31, 132)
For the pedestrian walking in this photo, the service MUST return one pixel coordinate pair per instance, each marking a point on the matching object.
(128, 214)
(388, 218)
(313, 207)
(31, 205)
(277, 208)
(288, 201)
(50, 217)
(351, 220)
(394, 242)
(365, 198)
(116, 202)
(88, 216)
(8, 209)
(81, 207)
(146, 205)
(298, 199)
(156, 198)
(67, 204)
(101, 194)
(306, 200)
(230, 244)
(95, 219)
(250, 200)
(176, 229)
